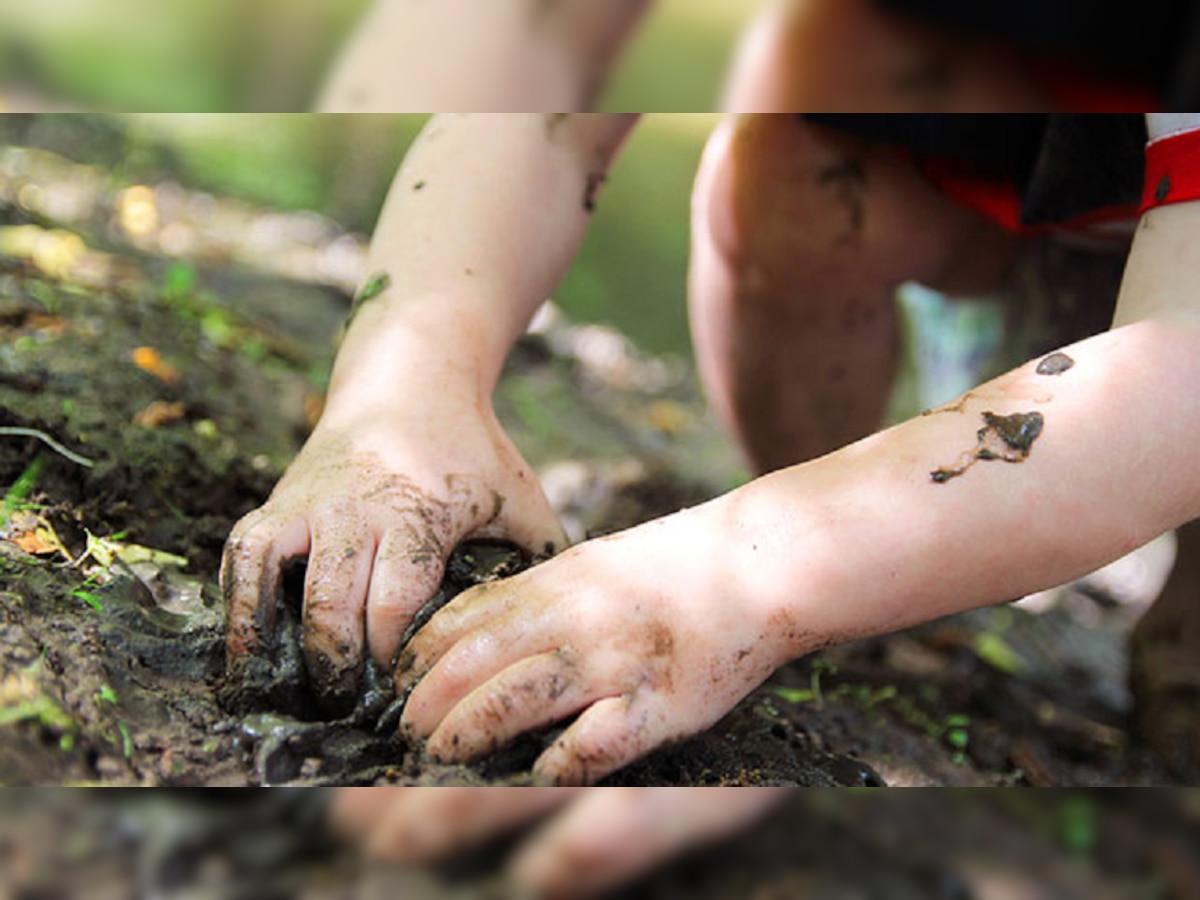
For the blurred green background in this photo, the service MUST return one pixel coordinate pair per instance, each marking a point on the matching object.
(271, 55)
(631, 272)
(225, 56)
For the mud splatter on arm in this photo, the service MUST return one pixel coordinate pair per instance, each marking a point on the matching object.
(1005, 438)
(1055, 364)
(847, 179)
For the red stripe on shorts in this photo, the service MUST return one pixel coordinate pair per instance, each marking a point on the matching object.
(1172, 170)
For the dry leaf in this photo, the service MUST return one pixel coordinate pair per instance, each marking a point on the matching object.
(160, 412)
(149, 360)
(39, 540)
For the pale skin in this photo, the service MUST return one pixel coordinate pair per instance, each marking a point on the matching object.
(603, 839)
(654, 633)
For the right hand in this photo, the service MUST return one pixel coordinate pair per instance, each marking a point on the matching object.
(377, 499)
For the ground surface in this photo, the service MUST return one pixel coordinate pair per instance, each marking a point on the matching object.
(179, 393)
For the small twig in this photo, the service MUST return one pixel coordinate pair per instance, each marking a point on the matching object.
(17, 431)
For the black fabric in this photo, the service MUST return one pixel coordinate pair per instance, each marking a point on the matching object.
(1002, 146)
(1086, 162)
(1144, 40)
(1064, 165)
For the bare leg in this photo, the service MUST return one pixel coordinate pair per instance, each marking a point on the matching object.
(850, 55)
(800, 237)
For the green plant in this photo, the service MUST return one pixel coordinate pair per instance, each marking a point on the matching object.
(19, 491)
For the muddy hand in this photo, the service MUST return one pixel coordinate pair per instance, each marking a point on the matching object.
(376, 503)
(600, 841)
(645, 635)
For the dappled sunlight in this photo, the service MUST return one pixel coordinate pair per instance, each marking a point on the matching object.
(231, 55)
(162, 219)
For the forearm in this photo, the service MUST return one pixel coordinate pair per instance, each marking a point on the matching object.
(479, 55)
(482, 221)
(868, 540)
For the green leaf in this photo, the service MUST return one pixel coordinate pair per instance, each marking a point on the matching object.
(992, 649)
(179, 280)
(794, 695)
(89, 598)
(22, 487)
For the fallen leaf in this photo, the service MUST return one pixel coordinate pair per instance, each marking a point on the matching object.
(668, 417)
(160, 412)
(105, 550)
(39, 539)
(51, 326)
(99, 549)
(136, 553)
(150, 360)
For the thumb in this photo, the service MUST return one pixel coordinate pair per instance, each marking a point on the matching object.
(525, 517)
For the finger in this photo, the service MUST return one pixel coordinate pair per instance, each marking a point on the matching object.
(335, 588)
(533, 693)
(445, 668)
(608, 838)
(250, 578)
(354, 812)
(429, 824)
(470, 620)
(527, 520)
(403, 579)
(610, 734)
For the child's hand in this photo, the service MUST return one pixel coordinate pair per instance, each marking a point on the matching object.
(603, 839)
(651, 634)
(377, 500)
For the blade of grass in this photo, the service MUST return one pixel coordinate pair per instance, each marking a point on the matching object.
(22, 487)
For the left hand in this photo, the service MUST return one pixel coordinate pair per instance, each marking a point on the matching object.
(649, 634)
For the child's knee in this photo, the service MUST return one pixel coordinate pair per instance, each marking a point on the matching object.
(782, 202)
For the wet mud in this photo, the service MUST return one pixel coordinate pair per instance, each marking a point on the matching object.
(1005, 438)
(1055, 364)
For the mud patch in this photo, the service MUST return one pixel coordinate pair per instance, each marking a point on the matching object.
(1055, 364)
(1006, 438)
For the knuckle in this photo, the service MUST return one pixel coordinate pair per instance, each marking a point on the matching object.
(495, 709)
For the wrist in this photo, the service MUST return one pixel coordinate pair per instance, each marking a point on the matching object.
(802, 553)
(768, 563)
(391, 362)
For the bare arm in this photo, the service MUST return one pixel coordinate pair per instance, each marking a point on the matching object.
(481, 223)
(1112, 468)
(408, 459)
(479, 55)
(883, 545)
(1026, 482)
